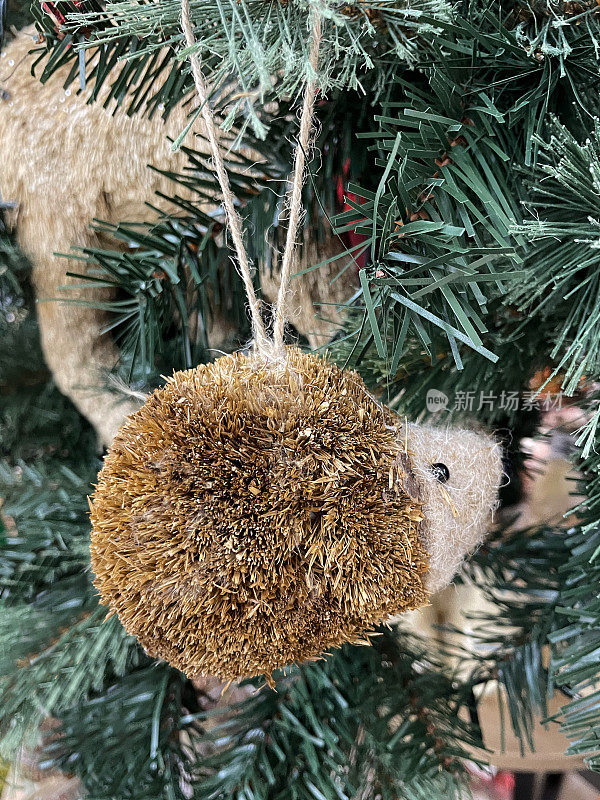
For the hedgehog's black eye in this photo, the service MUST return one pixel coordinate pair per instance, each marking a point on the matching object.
(440, 471)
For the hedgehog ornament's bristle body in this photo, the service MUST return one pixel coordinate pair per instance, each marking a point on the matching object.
(261, 510)
(250, 515)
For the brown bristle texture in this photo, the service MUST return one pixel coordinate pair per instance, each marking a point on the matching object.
(251, 516)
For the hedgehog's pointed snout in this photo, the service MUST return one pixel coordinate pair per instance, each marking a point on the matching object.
(459, 473)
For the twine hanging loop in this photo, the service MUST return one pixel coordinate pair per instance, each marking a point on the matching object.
(263, 344)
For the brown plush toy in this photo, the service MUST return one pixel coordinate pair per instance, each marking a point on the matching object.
(253, 514)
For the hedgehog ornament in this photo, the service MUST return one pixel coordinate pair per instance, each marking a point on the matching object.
(263, 509)
(251, 515)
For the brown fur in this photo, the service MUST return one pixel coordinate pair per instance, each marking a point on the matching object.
(249, 516)
(65, 163)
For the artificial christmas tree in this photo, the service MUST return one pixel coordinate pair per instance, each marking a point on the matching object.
(465, 141)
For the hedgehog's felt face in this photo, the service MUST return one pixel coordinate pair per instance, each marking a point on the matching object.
(458, 473)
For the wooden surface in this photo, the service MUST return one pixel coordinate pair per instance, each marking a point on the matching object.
(550, 743)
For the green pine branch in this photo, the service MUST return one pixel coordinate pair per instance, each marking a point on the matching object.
(246, 41)
(142, 709)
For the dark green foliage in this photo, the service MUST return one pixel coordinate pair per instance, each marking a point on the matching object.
(49, 613)
(366, 720)
(18, 14)
(31, 408)
(261, 40)
(174, 275)
(563, 262)
(442, 223)
(146, 707)
(576, 644)
(479, 171)
(47, 539)
(438, 228)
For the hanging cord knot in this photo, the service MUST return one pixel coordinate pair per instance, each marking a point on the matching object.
(272, 351)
